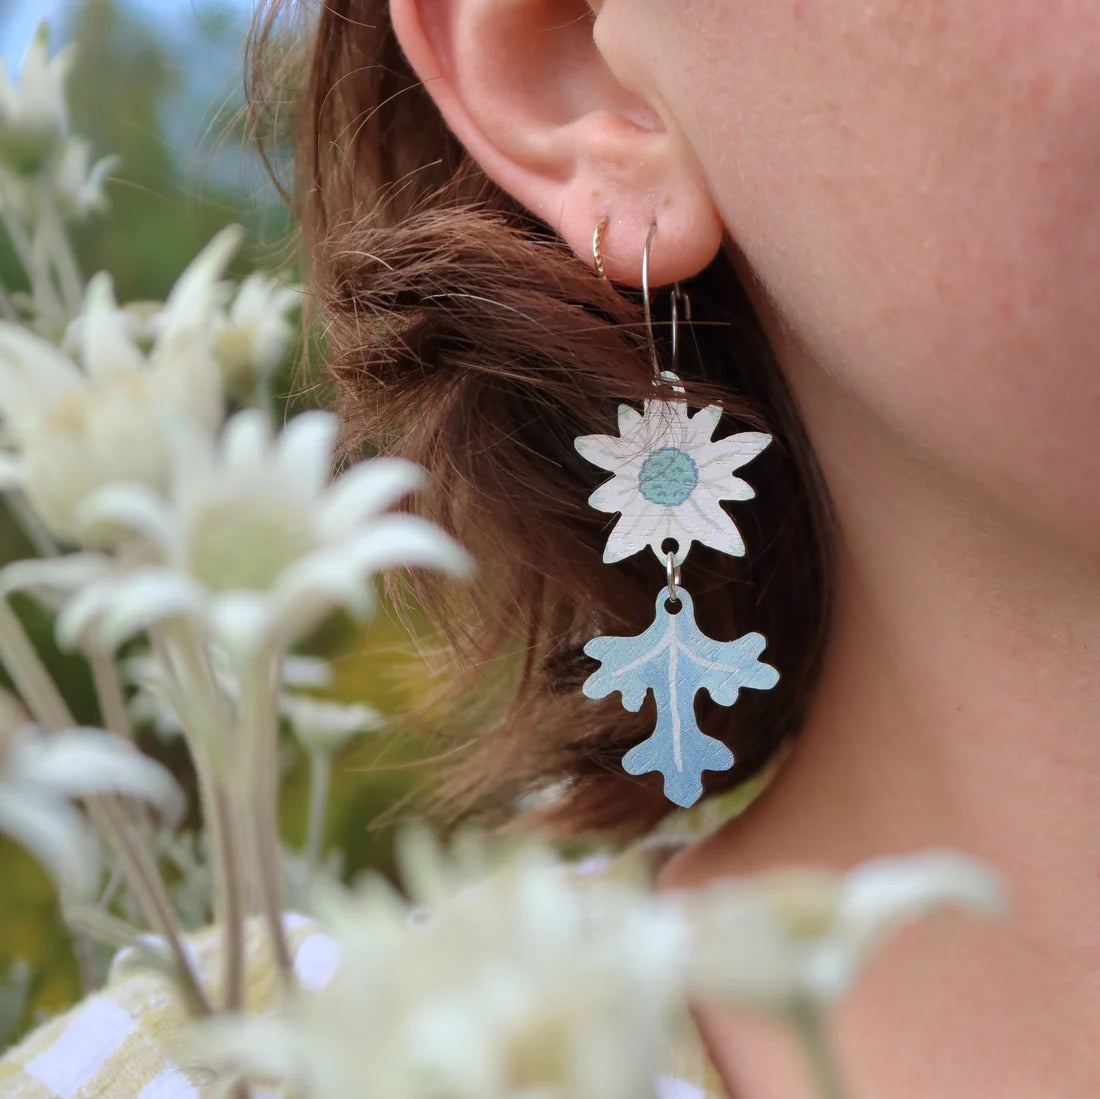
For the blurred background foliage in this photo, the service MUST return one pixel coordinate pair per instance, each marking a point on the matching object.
(159, 83)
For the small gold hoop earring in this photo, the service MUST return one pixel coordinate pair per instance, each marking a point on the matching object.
(597, 246)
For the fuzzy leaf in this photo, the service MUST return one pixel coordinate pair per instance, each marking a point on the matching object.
(675, 661)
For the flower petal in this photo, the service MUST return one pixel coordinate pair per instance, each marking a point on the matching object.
(68, 573)
(120, 607)
(82, 612)
(56, 834)
(105, 343)
(704, 422)
(13, 471)
(315, 585)
(132, 507)
(303, 453)
(705, 520)
(880, 893)
(190, 305)
(406, 541)
(245, 445)
(741, 957)
(365, 489)
(629, 418)
(614, 495)
(242, 622)
(883, 895)
(325, 726)
(610, 453)
(725, 486)
(735, 451)
(82, 763)
(630, 535)
(34, 375)
(147, 596)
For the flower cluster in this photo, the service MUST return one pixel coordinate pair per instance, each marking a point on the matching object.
(40, 159)
(501, 972)
(139, 448)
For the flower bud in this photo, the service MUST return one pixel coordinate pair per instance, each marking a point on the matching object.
(34, 119)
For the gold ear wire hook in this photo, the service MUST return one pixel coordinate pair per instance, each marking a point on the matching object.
(597, 246)
(675, 299)
(653, 357)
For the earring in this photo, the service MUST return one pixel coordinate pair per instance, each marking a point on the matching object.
(669, 478)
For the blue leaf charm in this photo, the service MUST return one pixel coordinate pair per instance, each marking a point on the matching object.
(675, 661)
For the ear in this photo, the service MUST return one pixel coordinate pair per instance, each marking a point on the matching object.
(525, 88)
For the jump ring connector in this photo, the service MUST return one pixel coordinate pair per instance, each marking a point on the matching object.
(673, 571)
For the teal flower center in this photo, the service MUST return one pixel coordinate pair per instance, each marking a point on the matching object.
(668, 477)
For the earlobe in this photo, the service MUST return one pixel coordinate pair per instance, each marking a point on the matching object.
(524, 87)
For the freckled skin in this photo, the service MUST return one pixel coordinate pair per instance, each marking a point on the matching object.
(915, 185)
(910, 188)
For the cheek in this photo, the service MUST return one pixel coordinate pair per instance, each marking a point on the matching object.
(915, 186)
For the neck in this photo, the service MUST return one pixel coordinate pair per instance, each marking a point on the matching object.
(961, 673)
(958, 706)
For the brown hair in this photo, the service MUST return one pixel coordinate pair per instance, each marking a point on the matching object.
(461, 333)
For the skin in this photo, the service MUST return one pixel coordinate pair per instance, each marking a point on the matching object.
(909, 190)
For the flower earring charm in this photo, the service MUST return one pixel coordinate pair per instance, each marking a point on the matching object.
(669, 479)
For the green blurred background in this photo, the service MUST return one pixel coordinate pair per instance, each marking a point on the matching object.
(158, 83)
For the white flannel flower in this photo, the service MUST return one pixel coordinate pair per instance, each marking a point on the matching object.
(255, 539)
(670, 477)
(77, 182)
(154, 702)
(322, 725)
(514, 981)
(792, 941)
(103, 415)
(41, 774)
(255, 333)
(73, 187)
(34, 116)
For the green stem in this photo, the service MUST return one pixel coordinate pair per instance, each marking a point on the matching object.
(229, 875)
(32, 681)
(812, 1030)
(43, 290)
(64, 262)
(8, 311)
(112, 702)
(216, 794)
(260, 718)
(320, 774)
(148, 886)
(33, 527)
(143, 873)
(40, 693)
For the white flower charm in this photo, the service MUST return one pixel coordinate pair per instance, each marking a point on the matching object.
(795, 941)
(101, 416)
(254, 538)
(670, 478)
